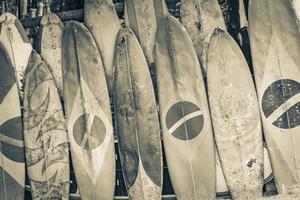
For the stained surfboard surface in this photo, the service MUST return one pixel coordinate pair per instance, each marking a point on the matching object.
(50, 39)
(87, 109)
(45, 134)
(101, 18)
(12, 156)
(184, 113)
(140, 17)
(15, 40)
(221, 185)
(235, 117)
(200, 18)
(137, 120)
(275, 49)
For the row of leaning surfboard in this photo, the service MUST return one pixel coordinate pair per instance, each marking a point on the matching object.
(87, 67)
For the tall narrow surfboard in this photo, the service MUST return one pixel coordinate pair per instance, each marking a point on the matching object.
(137, 120)
(87, 109)
(101, 18)
(15, 40)
(235, 117)
(275, 49)
(49, 46)
(45, 134)
(140, 17)
(12, 156)
(200, 18)
(184, 114)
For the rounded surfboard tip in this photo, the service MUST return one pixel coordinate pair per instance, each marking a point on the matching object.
(50, 18)
(12, 19)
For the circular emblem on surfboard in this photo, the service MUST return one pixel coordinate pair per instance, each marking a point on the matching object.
(184, 120)
(89, 139)
(281, 103)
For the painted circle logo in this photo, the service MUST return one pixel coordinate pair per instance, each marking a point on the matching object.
(89, 139)
(184, 120)
(281, 103)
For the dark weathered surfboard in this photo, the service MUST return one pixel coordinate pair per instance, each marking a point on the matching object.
(275, 49)
(15, 41)
(49, 46)
(235, 117)
(140, 17)
(184, 114)
(137, 120)
(12, 158)
(87, 109)
(200, 18)
(101, 18)
(45, 134)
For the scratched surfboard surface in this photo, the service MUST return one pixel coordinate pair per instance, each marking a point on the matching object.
(137, 120)
(17, 44)
(49, 46)
(184, 114)
(12, 156)
(235, 117)
(275, 49)
(87, 109)
(140, 17)
(45, 134)
(200, 18)
(101, 18)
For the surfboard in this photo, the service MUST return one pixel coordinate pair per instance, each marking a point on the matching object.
(49, 46)
(184, 113)
(200, 18)
(137, 120)
(221, 185)
(101, 19)
(87, 109)
(275, 49)
(161, 9)
(12, 156)
(45, 134)
(13, 37)
(140, 17)
(235, 117)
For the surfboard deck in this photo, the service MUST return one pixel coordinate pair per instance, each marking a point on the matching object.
(101, 19)
(87, 109)
(221, 185)
(235, 117)
(200, 18)
(184, 113)
(137, 120)
(275, 49)
(45, 134)
(49, 46)
(12, 156)
(14, 38)
(140, 17)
